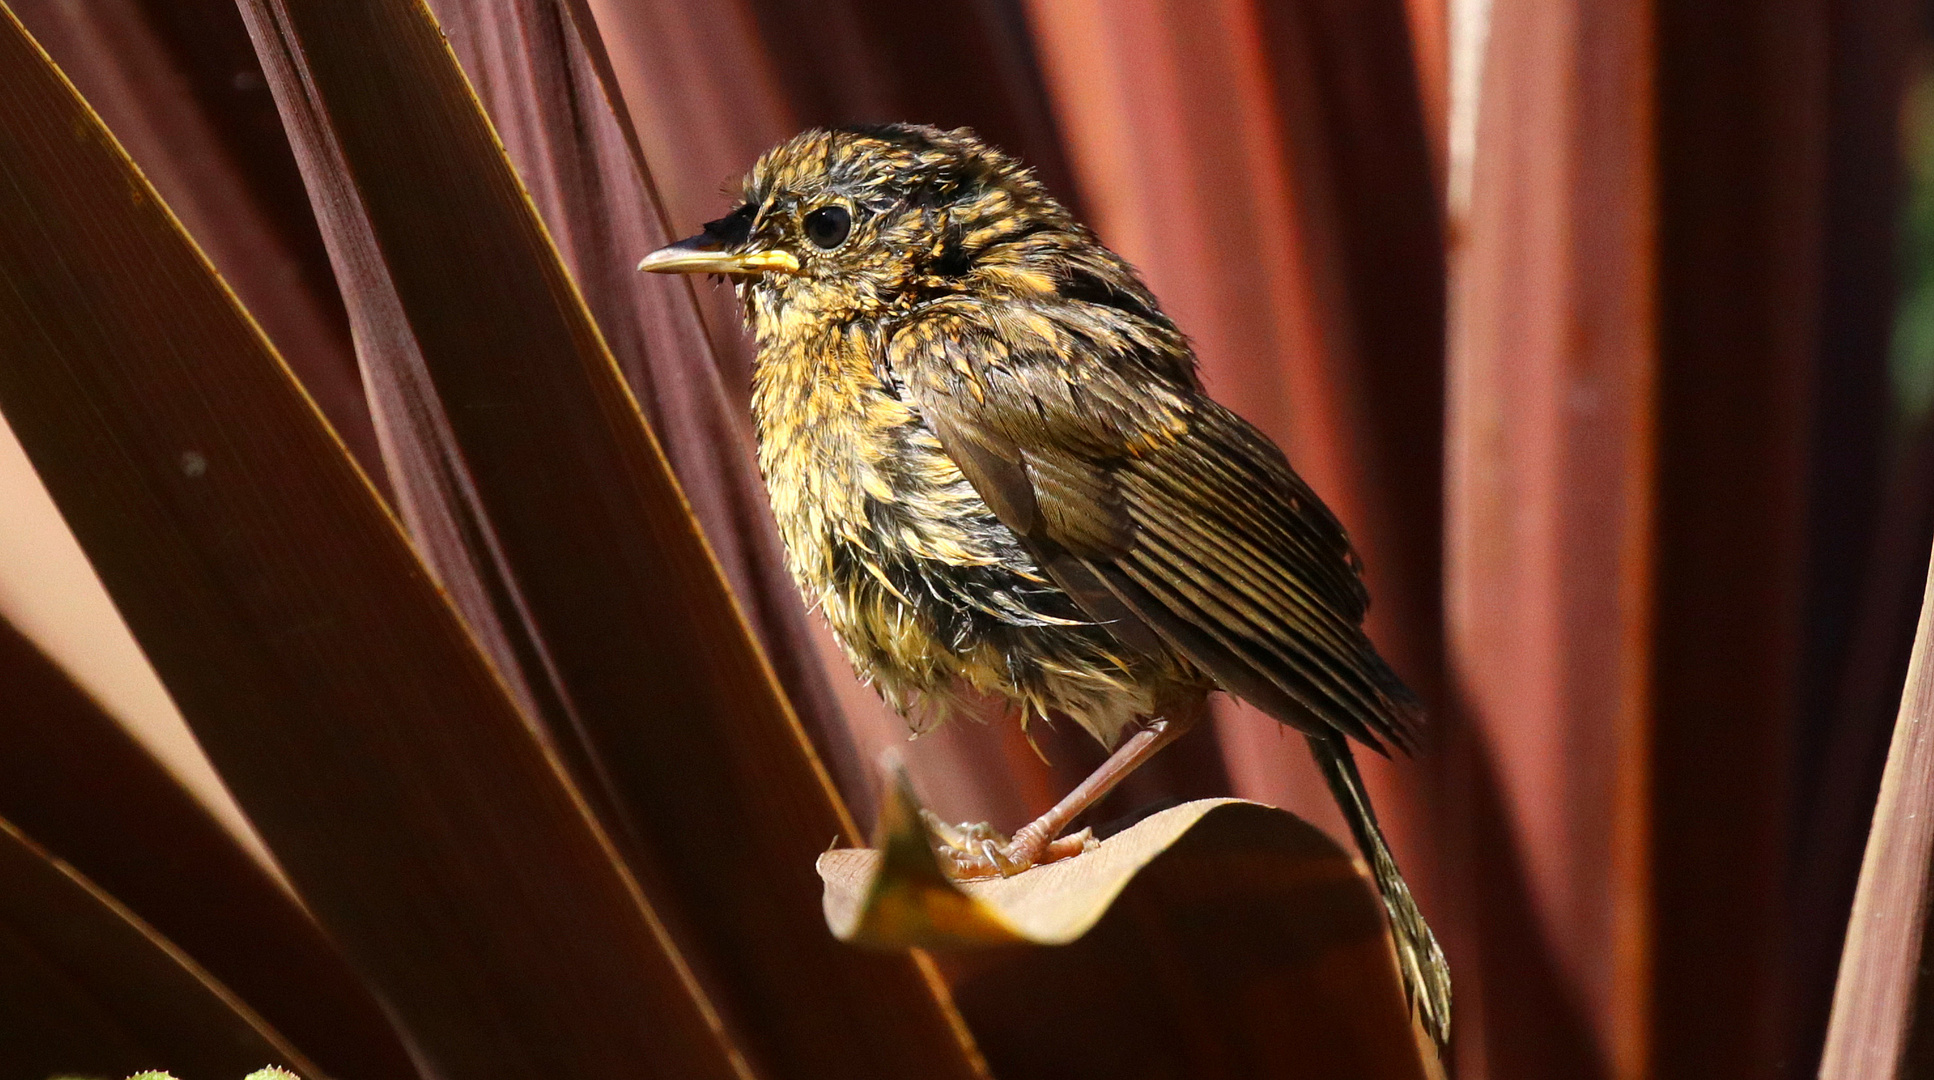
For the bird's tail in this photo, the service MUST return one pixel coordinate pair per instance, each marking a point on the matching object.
(1425, 975)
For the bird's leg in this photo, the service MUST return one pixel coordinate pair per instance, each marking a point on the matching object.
(976, 852)
(1035, 841)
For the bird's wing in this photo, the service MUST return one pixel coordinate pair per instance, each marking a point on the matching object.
(1163, 514)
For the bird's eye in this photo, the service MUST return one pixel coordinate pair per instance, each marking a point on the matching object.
(827, 226)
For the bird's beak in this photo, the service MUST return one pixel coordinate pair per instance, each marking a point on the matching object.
(704, 254)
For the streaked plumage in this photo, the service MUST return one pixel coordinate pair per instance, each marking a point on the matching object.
(994, 468)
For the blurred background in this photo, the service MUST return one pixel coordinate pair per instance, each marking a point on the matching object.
(1606, 327)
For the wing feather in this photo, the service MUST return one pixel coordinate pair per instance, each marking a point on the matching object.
(1164, 515)
(1313, 670)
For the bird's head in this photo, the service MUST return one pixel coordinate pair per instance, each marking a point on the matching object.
(857, 221)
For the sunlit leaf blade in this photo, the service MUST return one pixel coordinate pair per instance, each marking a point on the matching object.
(87, 987)
(1881, 998)
(338, 694)
(174, 82)
(1215, 938)
(541, 72)
(76, 782)
(607, 583)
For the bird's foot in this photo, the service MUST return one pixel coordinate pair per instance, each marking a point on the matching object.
(971, 851)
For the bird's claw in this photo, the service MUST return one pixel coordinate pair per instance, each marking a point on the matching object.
(964, 836)
(971, 851)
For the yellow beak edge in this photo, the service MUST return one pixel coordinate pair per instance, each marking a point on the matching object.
(701, 255)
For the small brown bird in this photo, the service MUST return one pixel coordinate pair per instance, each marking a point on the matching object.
(996, 471)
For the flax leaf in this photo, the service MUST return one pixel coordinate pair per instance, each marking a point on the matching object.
(334, 688)
(547, 506)
(76, 781)
(86, 986)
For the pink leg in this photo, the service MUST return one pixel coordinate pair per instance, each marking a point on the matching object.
(1040, 841)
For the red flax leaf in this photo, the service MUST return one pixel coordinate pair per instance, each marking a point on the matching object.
(582, 552)
(1550, 554)
(191, 119)
(72, 778)
(86, 986)
(336, 691)
(540, 70)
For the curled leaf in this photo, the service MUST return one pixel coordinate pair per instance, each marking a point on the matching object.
(897, 896)
(1257, 918)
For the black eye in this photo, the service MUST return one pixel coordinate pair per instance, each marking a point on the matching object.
(827, 226)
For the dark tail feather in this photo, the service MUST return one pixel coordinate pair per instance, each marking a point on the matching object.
(1426, 977)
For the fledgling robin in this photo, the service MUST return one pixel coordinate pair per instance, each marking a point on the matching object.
(995, 470)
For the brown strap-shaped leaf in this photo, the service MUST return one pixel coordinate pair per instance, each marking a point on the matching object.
(87, 987)
(334, 688)
(1215, 938)
(174, 82)
(75, 780)
(580, 540)
(540, 69)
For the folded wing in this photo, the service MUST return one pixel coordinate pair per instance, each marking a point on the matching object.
(1166, 517)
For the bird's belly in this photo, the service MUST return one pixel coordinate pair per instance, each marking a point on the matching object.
(927, 592)
(926, 631)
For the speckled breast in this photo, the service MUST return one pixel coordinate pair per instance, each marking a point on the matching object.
(924, 587)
